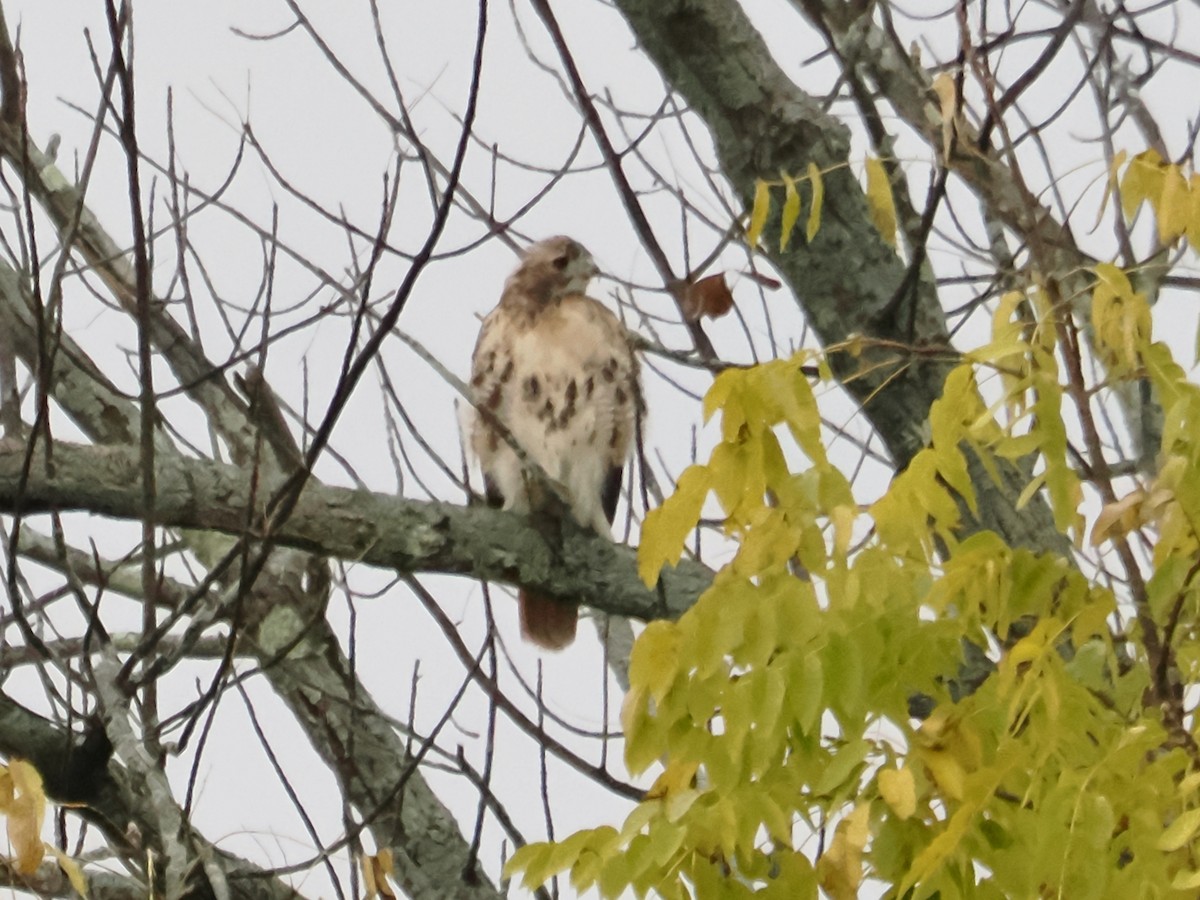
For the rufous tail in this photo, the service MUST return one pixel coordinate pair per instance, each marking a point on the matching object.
(547, 622)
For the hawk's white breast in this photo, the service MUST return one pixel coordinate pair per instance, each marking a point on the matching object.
(564, 384)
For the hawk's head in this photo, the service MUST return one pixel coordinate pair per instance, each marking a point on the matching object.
(552, 269)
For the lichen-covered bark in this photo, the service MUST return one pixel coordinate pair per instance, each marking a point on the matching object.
(75, 770)
(304, 663)
(763, 124)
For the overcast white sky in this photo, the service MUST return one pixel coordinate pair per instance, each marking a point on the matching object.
(323, 137)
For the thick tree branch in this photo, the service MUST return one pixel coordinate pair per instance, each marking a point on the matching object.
(50, 881)
(380, 529)
(301, 657)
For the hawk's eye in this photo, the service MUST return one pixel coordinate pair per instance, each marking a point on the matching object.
(560, 262)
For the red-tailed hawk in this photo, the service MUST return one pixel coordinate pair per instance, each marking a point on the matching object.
(554, 368)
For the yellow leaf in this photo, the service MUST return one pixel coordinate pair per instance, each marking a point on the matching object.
(858, 826)
(639, 818)
(1143, 181)
(791, 211)
(950, 749)
(1174, 205)
(758, 215)
(1111, 187)
(1006, 324)
(667, 526)
(530, 860)
(375, 870)
(1189, 784)
(1180, 831)
(939, 849)
(840, 868)
(1193, 217)
(383, 871)
(655, 659)
(818, 198)
(679, 803)
(596, 852)
(675, 778)
(7, 791)
(71, 870)
(643, 742)
(1030, 490)
(947, 94)
(881, 201)
(1118, 518)
(25, 816)
(1115, 280)
(368, 877)
(899, 791)
(586, 870)
(1186, 881)
(842, 516)
(1121, 319)
(946, 771)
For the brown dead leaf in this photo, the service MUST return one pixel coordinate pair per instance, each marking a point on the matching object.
(710, 296)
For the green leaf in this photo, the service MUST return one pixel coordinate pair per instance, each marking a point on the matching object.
(667, 527)
(844, 671)
(644, 734)
(940, 849)
(806, 691)
(531, 861)
(1179, 832)
(655, 659)
(845, 762)
(1143, 181)
(995, 834)
(768, 690)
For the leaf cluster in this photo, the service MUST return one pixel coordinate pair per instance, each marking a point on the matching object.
(880, 202)
(777, 707)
